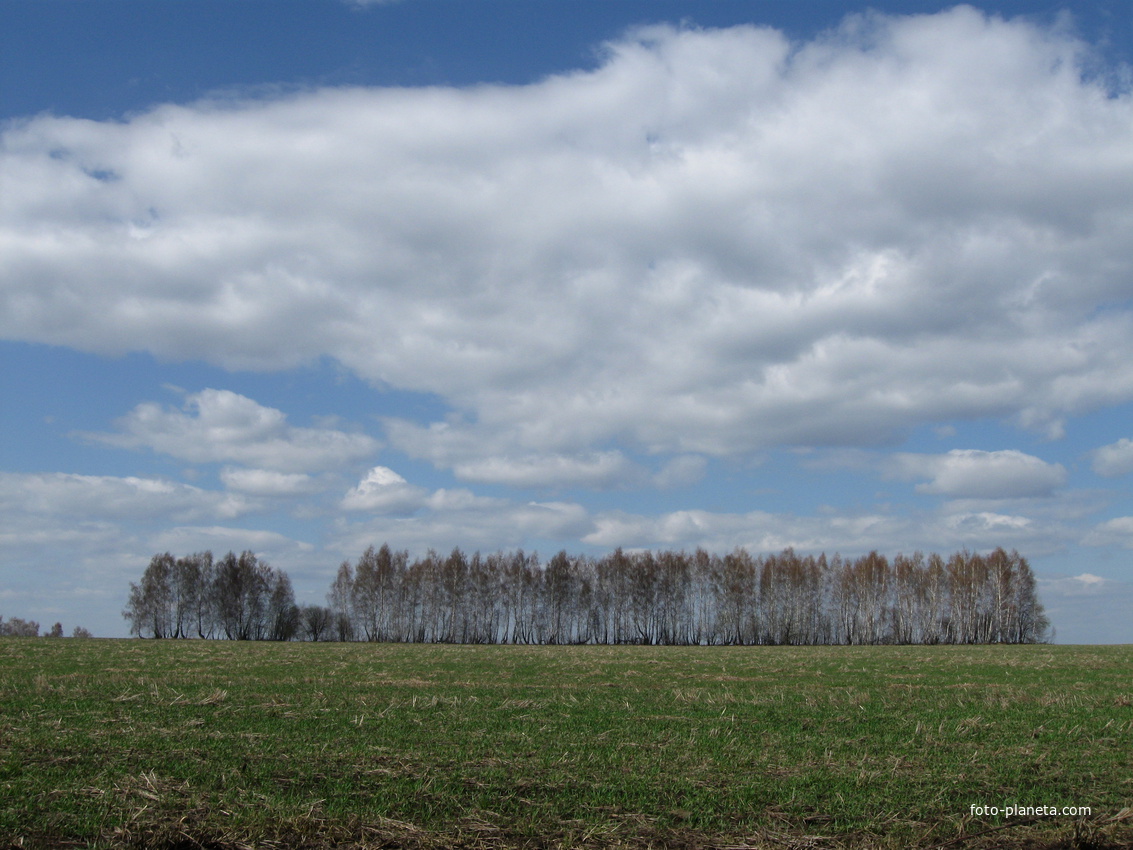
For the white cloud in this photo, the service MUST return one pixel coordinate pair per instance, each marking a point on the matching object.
(384, 491)
(984, 523)
(680, 472)
(462, 500)
(495, 456)
(973, 474)
(219, 425)
(1086, 584)
(712, 243)
(832, 531)
(103, 497)
(1114, 459)
(458, 518)
(267, 482)
(594, 469)
(1116, 531)
(38, 510)
(221, 539)
(407, 515)
(486, 455)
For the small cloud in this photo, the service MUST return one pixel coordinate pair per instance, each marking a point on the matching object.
(267, 482)
(973, 474)
(1114, 459)
(224, 538)
(220, 425)
(1118, 530)
(681, 471)
(106, 497)
(988, 521)
(594, 469)
(383, 491)
(552, 519)
(461, 500)
(1090, 579)
(459, 518)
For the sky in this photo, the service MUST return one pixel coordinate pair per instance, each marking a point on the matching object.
(304, 276)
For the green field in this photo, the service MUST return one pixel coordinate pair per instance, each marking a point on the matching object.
(114, 743)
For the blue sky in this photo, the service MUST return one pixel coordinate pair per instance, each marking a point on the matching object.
(304, 276)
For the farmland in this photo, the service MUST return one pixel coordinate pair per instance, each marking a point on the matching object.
(225, 744)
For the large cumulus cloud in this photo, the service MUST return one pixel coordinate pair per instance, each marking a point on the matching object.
(714, 242)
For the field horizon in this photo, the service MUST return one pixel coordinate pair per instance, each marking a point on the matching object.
(224, 744)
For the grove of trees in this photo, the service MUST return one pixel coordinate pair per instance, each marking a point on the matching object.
(18, 627)
(653, 598)
(237, 597)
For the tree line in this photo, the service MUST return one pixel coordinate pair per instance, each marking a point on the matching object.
(19, 627)
(654, 598)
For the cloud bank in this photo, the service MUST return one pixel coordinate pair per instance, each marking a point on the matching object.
(714, 242)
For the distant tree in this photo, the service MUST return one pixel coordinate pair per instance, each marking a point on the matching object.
(1027, 621)
(193, 585)
(206, 594)
(56, 631)
(341, 599)
(284, 618)
(453, 574)
(150, 605)
(790, 599)
(376, 583)
(932, 600)
(80, 632)
(966, 573)
(906, 572)
(737, 609)
(17, 627)
(559, 593)
(705, 591)
(675, 595)
(317, 621)
(241, 596)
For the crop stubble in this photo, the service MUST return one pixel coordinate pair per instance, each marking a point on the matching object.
(222, 744)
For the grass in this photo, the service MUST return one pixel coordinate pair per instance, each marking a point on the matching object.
(214, 744)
